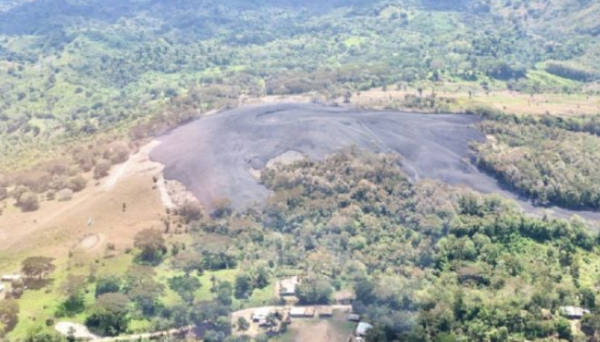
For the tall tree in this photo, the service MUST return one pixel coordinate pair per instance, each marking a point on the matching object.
(151, 243)
(111, 314)
(37, 267)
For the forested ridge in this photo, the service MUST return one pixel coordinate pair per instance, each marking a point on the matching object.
(77, 69)
(551, 160)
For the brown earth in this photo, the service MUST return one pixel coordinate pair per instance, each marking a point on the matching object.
(504, 100)
(58, 227)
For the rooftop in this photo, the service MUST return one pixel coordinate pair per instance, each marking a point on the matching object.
(362, 328)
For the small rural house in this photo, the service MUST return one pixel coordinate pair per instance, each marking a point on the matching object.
(297, 312)
(11, 277)
(302, 312)
(345, 297)
(261, 314)
(574, 312)
(354, 317)
(325, 311)
(362, 329)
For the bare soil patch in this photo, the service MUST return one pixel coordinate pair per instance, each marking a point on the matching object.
(219, 157)
(215, 156)
(89, 242)
(58, 226)
(508, 101)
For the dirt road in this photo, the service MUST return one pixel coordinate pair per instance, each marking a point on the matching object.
(150, 335)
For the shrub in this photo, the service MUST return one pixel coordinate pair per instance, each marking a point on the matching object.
(101, 169)
(117, 153)
(64, 195)
(77, 183)
(18, 192)
(190, 212)
(28, 202)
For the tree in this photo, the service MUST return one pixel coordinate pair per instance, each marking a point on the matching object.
(146, 296)
(73, 288)
(111, 314)
(136, 275)
(243, 286)
(101, 169)
(261, 338)
(77, 183)
(188, 262)
(40, 335)
(261, 277)
(590, 325)
(190, 212)
(588, 298)
(107, 285)
(9, 315)
(563, 327)
(243, 323)
(314, 291)
(37, 267)
(151, 243)
(17, 288)
(221, 208)
(185, 287)
(224, 293)
(141, 287)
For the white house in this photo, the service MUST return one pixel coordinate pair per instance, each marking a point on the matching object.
(261, 314)
(574, 312)
(2, 287)
(11, 277)
(363, 328)
(297, 311)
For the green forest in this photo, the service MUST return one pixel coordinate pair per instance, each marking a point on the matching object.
(427, 262)
(551, 160)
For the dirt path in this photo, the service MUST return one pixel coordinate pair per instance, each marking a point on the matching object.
(248, 312)
(81, 331)
(306, 328)
(146, 335)
(63, 327)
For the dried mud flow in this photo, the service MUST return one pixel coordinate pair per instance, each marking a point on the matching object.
(215, 156)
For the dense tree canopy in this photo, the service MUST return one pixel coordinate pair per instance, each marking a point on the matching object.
(549, 164)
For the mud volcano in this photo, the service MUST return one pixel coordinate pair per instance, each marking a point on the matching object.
(216, 157)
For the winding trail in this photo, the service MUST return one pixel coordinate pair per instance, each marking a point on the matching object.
(146, 335)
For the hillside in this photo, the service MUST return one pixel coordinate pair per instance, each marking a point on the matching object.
(77, 69)
(428, 165)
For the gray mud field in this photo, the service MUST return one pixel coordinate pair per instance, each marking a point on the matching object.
(215, 156)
